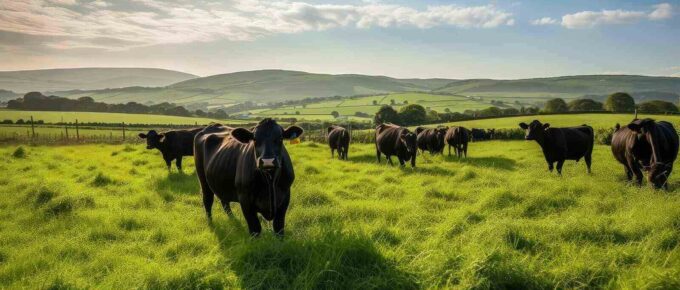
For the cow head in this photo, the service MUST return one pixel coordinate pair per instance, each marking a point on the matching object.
(153, 139)
(268, 139)
(647, 133)
(534, 130)
(408, 139)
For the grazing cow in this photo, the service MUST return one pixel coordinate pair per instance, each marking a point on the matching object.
(391, 140)
(431, 140)
(458, 138)
(251, 167)
(172, 144)
(478, 135)
(648, 145)
(490, 134)
(561, 144)
(338, 139)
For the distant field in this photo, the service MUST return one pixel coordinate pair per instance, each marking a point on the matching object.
(84, 117)
(348, 107)
(104, 216)
(595, 120)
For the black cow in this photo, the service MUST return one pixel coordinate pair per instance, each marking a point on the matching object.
(457, 137)
(431, 140)
(252, 168)
(172, 144)
(478, 135)
(391, 140)
(490, 134)
(561, 144)
(648, 145)
(338, 139)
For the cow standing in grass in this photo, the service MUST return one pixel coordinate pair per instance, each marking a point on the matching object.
(647, 145)
(560, 144)
(251, 167)
(457, 137)
(431, 140)
(391, 140)
(338, 139)
(173, 144)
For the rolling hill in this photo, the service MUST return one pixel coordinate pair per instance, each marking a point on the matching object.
(261, 86)
(47, 80)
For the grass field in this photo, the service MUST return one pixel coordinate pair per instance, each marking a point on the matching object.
(111, 216)
(84, 117)
(594, 120)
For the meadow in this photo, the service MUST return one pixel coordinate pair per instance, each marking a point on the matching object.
(594, 120)
(99, 117)
(111, 216)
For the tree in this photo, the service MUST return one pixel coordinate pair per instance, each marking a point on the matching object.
(297, 112)
(405, 102)
(585, 105)
(556, 106)
(620, 102)
(392, 102)
(335, 114)
(447, 110)
(220, 114)
(412, 114)
(386, 114)
(657, 107)
(200, 113)
(510, 111)
(375, 102)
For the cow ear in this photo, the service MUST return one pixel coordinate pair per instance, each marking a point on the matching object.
(523, 125)
(546, 125)
(242, 135)
(142, 135)
(634, 127)
(292, 132)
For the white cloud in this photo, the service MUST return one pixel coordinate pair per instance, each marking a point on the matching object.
(587, 19)
(163, 22)
(661, 11)
(544, 21)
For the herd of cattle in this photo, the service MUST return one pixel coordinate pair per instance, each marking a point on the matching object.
(252, 167)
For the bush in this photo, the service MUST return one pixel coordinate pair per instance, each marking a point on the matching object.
(620, 102)
(657, 107)
(7, 121)
(20, 152)
(585, 105)
(556, 106)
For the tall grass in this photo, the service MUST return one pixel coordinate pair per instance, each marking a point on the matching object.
(111, 216)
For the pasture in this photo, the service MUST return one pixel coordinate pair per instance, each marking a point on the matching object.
(99, 117)
(111, 216)
(594, 120)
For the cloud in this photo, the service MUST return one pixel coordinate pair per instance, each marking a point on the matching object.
(587, 19)
(544, 21)
(156, 22)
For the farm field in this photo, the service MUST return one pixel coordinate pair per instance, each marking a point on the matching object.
(350, 106)
(594, 120)
(111, 216)
(85, 117)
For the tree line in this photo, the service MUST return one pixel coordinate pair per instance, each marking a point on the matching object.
(415, 114)
(39, 102)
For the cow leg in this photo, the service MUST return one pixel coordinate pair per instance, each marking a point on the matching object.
(208, 198)
(346, 153)
(280, 218)
(250, 215)
(377, 153)
(401, 161)
(332, 151)
(665, 186)
(550, 166)
(559, 166)
(227, 208)
(465, 149)
(589, 160)
(178, 163)
(629, 172)
(633, 165)
(389, 159)
(168, 163)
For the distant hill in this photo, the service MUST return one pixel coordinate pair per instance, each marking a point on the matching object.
(567, 87)
(261, 86)
(276, 85)
(87, 79)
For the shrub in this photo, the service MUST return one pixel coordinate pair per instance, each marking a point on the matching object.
(620, 102)
(556, 106)
(20, 152)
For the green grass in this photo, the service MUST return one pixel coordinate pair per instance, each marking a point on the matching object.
(595, 120)
(84, 117)
(111, 216)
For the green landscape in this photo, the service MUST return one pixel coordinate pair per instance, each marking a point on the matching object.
(111, 216)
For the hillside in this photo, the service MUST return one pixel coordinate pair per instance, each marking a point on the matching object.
(262, 86)
(47, 80)
(565, 87)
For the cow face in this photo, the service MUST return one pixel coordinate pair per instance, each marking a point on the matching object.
(268, 139)
(408, 139)
(153, 139)
(535, 130)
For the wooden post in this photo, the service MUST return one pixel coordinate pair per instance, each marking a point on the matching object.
(32, 128)
(66, 129)
(123, 131)
(77, 131)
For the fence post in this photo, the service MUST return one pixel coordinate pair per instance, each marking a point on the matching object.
(77, 131)
(66, 129)
(123, 132)
(32, 128)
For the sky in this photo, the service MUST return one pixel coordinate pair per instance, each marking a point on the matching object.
(398, 38)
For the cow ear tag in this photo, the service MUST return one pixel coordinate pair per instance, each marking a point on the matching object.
(294, 139)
